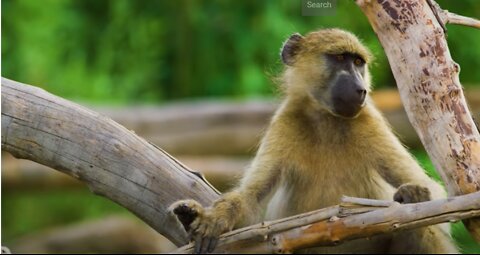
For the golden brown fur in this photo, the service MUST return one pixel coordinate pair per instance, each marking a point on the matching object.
(310, 157)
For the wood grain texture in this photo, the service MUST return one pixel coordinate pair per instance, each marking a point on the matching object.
(111, 160)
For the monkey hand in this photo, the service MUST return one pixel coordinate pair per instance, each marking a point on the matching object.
(411, 193)
(204, 225)
(186, 212)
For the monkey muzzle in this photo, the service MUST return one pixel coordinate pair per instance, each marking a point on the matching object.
(348, 96)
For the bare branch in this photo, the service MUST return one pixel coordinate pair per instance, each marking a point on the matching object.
(110, 159)
(446, 17)
(329, 226)
(365, 201)
(452, 18)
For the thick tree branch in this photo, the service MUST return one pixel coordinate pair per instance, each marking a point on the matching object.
(119, 165)
(110, 159)
(354, 218)
(427, 78)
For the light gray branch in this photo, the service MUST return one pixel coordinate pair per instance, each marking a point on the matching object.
(347, 221)
(111, 160)
(447, 17)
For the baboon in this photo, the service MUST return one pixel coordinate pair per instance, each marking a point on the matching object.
(326, 140)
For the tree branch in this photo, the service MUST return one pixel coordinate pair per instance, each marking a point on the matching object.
(428, 82)
(119, 165)
(453, 18)
(354, 218)
(446, 17)
(110, 159)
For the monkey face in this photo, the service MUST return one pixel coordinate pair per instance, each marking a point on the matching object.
(335, 83)
(330, 67)
(346, 90)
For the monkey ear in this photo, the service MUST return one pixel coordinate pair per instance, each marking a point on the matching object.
(290, 48)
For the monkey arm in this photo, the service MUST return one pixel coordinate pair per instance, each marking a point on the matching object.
(392, 160)
(257, 184)
(206, 224)
(399, 167)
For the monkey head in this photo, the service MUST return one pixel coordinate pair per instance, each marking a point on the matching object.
(329, 67)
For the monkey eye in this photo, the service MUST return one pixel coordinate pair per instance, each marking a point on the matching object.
(358, 62)
(340, 57)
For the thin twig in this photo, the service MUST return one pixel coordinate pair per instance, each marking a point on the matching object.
(366, 202)
(453, 18)
(446, 17)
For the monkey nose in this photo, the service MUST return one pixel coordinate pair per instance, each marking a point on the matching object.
(362, 93)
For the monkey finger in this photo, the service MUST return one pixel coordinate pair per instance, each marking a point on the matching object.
(183, 208)
(398, 197)
(212, 244)
(205, 243)
(410, 193)
(198, 244)
(185, 214)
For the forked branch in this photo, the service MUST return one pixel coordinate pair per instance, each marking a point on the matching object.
(446, 17)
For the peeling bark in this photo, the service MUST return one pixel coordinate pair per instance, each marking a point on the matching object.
(427, 78)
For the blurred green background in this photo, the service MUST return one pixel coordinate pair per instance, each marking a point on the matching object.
(125, 52)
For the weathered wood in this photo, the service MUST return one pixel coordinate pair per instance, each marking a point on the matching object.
(347, 221)
(428, 81)
(221, 171)
(110, 159)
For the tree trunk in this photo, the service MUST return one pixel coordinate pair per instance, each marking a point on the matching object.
(427, 78)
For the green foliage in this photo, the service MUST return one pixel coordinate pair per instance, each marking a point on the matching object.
(25, 212)
(148, 51)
